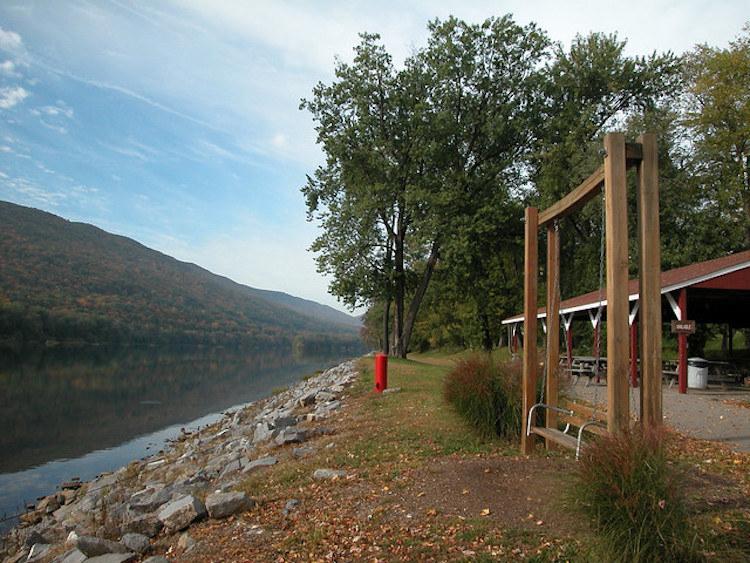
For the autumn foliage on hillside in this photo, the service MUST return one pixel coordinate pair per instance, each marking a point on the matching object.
(67, 281)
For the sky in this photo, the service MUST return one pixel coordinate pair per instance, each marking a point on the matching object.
(177, 122)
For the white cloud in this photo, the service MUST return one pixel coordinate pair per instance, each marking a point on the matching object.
(8, 68)
(12, 95)
(10, 40)
(62, 109)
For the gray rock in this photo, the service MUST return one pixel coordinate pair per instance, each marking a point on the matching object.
(265, 461)
(113, 558)
(290, 436)
(263, 432)
(306, 399)
(284, 422)
(136, 542)
(92, 546)
(104, 481)
(33, 538)
(326, 408)
(156, 559)
(186, 542)
(148, 525)
(179, 514)
(38, 552)
(328, 474)
(232, 467)
(324, 396)
(290, 506)
(221, 505)
(73, 556)
(150, 503)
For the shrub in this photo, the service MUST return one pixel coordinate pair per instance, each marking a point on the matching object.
(487, 394)
(625, 484)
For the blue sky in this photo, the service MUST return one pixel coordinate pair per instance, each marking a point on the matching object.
(176, 122)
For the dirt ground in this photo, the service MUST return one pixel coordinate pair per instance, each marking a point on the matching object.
(515, 491)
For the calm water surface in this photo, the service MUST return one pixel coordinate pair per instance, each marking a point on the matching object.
(68, 413)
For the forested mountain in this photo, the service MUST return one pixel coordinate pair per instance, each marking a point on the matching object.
(67, 281)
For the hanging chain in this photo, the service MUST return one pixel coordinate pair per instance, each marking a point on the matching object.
(602, 261)
(555, 292)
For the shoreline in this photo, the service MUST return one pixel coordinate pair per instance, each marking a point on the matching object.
(194, 477)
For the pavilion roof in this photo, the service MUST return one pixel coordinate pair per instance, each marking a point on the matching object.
(703, 275)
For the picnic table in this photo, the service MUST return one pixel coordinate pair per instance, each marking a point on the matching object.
(586, 366)
(719, 372)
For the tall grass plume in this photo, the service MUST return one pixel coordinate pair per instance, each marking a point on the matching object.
(487, 394)
(633, 495)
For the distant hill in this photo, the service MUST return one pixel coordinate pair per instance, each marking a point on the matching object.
(67, 281)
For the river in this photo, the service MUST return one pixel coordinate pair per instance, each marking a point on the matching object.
(78, 412)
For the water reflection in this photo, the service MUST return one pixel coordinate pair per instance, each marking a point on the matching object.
(62, 404)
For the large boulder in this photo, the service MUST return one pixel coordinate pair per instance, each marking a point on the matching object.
(221, 505)
(92, 546)
(179, 514)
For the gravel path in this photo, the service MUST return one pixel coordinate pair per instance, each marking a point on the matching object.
(710, 414)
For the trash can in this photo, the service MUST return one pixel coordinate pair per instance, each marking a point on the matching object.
(697, 373)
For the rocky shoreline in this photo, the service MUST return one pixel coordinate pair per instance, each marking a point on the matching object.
(117, 517)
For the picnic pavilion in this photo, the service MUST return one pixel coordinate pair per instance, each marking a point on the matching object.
(715, 291)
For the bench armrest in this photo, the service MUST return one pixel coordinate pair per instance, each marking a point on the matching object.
(544, 406)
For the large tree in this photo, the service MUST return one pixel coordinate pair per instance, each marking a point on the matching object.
(591, 88)
(369, 123)
(718, 114)
(418, 160)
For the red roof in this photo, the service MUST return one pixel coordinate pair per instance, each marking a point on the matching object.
(733, 269)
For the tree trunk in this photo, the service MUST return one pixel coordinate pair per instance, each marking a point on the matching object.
(486, 333)
(417, 301)
(399, 348)
(386, 323)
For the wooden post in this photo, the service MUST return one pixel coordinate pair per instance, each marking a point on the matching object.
(617, 281)
(649, 250)
(530, 306)
(553, 326)
(682, 348)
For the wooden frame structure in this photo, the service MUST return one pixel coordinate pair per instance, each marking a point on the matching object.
(611, 179)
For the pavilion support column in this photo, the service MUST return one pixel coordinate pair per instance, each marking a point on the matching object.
(531, 267)
(569, 339)
(682, 348)
(553, 327)
(649, 251)
(618, 347)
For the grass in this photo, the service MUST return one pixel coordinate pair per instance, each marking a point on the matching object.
(382, 441)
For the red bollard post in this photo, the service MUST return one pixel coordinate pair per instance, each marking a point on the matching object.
(381, 372)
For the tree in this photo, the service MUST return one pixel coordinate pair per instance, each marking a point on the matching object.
(590, 89)
(368, 124)
(718, 114)
(413, 157)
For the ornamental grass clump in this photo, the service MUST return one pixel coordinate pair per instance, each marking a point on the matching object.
(487, 394)
(626, 485)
